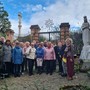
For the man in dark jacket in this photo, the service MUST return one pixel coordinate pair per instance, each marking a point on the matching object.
(59, 57)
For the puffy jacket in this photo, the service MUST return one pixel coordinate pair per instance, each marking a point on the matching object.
(40, 53)
(7, 53)
(17, 55)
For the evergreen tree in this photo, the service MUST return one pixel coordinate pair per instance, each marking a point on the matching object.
(4, 21)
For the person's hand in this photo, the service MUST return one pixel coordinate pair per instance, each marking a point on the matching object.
(71, 60)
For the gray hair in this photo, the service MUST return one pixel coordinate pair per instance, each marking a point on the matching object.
(69, 40)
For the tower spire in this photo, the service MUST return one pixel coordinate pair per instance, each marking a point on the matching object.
(19, 23)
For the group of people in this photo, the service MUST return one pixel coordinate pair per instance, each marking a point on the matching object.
(19, 57)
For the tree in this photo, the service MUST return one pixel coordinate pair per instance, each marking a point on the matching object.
(77, 41)
(4, 21)
(42, 38)
(56, 36)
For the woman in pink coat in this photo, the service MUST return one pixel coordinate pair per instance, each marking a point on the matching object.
(49, 57)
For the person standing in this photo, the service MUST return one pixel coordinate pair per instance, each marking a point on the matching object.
(7, 57)
(70, 58)
(39, 58)
(1, 58)
(12, 64)
(23, 63)
(64, 74)
(59, 57)
(36, 46)
(26, 53)
(17, 58)
(31, 58)
(49, 57)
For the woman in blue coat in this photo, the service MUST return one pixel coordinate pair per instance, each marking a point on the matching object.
(39, 58)
(17, 56)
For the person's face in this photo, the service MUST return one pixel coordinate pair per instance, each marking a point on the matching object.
(68, 42)
(49, 45)
(18, 44)
(13, 44)
(8, 43)
(59, 44)
(27, 44)
(24, 45)
(34, 42)
(63, 42)
(40, 45)
(21, 44)
(32, 45)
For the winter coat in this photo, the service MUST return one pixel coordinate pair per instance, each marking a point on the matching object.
(1, 51)
(27, 52)
(7, 53)
(40, 53)
(32, 53)
(69, 51)
(17, 55)
(1, 56)
(49, 54)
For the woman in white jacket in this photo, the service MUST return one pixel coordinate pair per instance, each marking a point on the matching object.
(31, 58)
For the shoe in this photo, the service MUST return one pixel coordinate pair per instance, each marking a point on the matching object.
(63, 75)
(15, 75)
(30, 74)
(70, 78)
(47, 73)
(50, 73)
(60, 73)
(19, 75)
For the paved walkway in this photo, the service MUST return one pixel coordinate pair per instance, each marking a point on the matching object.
(42, 82)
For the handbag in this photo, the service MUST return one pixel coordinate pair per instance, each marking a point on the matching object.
(64, 59)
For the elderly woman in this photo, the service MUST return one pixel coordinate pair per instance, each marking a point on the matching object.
(17, 58)
(31, 58)
(49, 57)
(26, 53)
(70, 59)
(39, 58)
(7, 56)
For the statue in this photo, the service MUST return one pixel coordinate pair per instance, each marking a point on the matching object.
(86, 31)
(85, 53)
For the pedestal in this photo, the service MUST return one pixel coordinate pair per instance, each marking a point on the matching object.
(85, 56)
(85, 53)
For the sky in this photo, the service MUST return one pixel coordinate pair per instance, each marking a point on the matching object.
(39, 11)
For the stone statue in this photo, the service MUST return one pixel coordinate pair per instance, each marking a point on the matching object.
(86, 31)
(85, 53)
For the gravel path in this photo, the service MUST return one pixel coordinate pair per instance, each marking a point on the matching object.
(42, 82)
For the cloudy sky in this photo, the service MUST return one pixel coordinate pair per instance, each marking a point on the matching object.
(38, 11)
